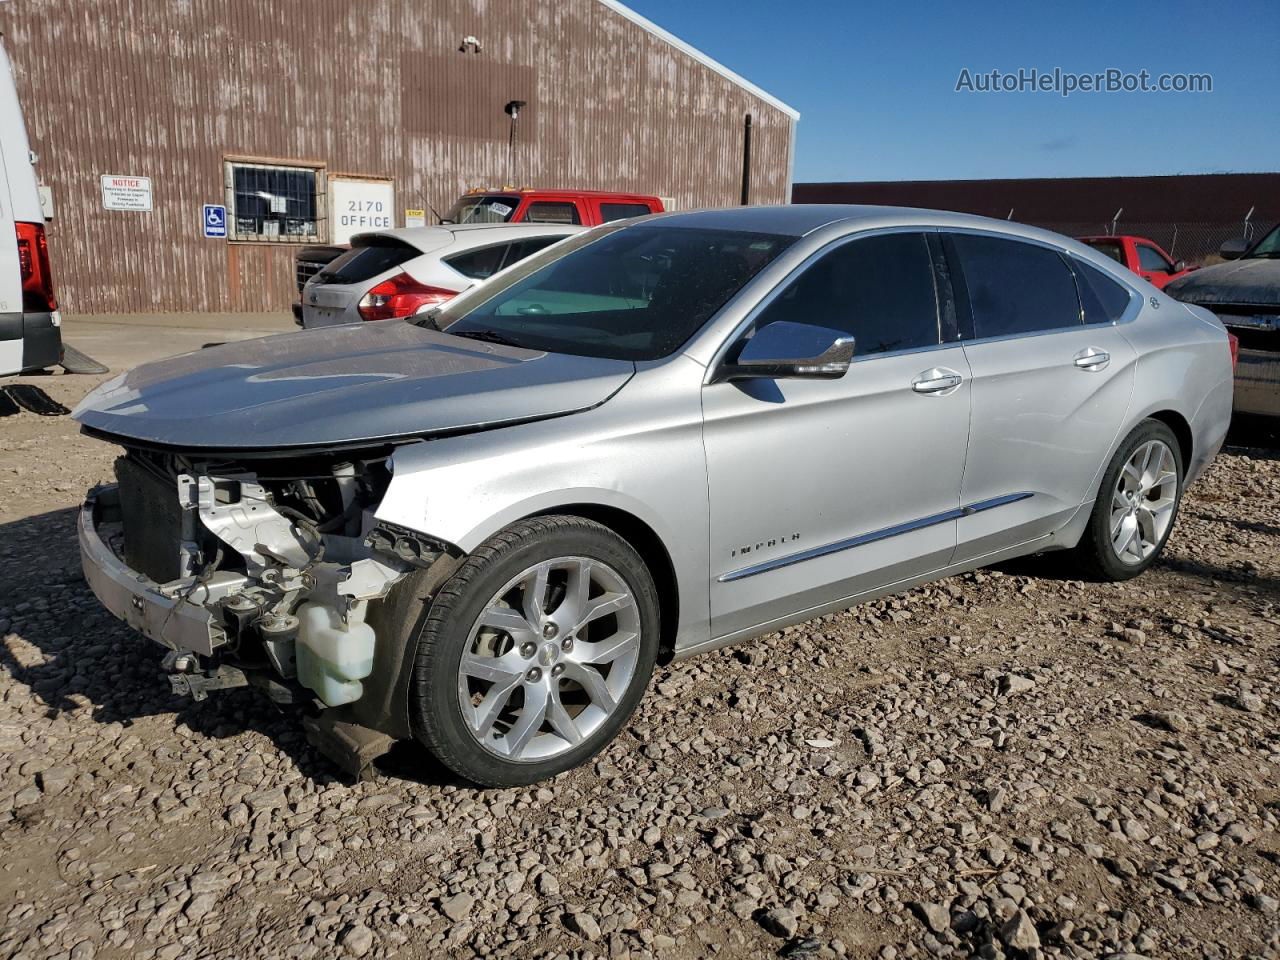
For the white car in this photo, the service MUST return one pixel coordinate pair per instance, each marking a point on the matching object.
(30, 325)
(399, 273)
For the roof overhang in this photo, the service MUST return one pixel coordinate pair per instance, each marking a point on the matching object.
(701, 57)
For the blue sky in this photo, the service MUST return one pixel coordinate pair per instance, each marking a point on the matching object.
(875, 83)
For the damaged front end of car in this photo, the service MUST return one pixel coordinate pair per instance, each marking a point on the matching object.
(258, 572)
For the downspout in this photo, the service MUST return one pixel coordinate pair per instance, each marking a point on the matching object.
(746, 160)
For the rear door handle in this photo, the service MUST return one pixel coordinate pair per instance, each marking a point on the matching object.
(937, 380)
(1091, 358)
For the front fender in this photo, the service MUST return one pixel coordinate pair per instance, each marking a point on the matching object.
(464, 489)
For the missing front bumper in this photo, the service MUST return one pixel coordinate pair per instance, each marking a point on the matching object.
(170, 614)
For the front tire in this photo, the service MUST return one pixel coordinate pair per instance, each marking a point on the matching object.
(535, 652)
(1136, 507)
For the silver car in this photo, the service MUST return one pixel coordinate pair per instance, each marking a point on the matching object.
(402, 272)
(481, 528)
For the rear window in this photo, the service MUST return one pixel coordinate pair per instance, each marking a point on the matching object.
(622, 211)
(1108, 248)
(367, 261)
(483, 208)
(1104, 300)
(1015, 287)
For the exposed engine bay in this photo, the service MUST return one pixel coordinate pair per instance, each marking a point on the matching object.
(261, 571)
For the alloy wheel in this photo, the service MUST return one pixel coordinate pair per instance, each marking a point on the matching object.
(1143, 502)
(549, 659)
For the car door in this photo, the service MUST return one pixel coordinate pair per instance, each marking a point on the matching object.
(1153, 266)
(1049, 391)
(822, 489)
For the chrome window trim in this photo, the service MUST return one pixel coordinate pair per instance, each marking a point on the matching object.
(875, 536)
(763, 303)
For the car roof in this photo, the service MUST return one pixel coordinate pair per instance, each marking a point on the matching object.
(801, 219)
(577, 194)
(433, 237)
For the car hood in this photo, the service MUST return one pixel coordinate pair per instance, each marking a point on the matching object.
(1239, 281)
(343, 386)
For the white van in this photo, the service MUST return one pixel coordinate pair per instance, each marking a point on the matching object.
(30, 334)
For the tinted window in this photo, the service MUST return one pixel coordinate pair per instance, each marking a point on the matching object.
(527, 248)
(367, 261)
(479, 264)
(879, 289)
(552, 211)
(483, 209)
(1015, 287)
(1149, 258)
(1108, 248)
(621, 211)
(1104, 300)
(635, 294)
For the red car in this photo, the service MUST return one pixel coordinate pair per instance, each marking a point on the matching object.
(1144, 257)
(586, 207)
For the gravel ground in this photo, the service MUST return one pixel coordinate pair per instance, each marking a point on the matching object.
(1007, 763)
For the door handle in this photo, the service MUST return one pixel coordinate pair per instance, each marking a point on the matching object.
(938, 380)
(1091, 358)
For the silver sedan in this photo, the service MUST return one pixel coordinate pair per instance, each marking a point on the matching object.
(481, 527)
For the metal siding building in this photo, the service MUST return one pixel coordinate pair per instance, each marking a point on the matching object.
(377, 89)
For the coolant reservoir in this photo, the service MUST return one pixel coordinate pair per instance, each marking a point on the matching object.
(332, 656)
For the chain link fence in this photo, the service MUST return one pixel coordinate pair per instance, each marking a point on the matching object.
(1196, 243)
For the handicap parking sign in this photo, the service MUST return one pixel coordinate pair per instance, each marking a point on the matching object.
(215, 221)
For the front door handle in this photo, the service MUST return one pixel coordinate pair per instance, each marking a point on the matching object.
(1091, 358)
(939, 380)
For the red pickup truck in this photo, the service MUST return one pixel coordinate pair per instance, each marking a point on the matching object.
(586, 207)
(1144, 257)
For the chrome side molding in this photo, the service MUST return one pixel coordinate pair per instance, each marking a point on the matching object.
(863, 539)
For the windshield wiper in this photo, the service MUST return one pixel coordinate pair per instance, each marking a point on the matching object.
(488, 336)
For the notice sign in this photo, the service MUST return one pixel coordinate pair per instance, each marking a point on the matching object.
(126, 193)
(357, 206)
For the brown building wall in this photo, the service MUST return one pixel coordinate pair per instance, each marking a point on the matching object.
(169, 88)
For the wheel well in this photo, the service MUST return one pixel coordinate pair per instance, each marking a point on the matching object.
(652, 551)
(1181, 432)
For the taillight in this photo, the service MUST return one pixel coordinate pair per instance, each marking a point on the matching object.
(1234, 343)
(401, 296)
(37, 281)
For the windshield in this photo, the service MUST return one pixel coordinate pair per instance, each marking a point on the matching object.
(475, 208)
(1268, 246)
(632, 294)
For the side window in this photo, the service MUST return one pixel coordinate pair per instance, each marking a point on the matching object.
(479, 264)
(527, 248)
(879, 289)
(621, 211)
(552, 211)
(1149, 258)
(1104, 300)
(1015, 287)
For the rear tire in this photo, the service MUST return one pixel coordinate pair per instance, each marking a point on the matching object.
(535, 652)
(1137, 505)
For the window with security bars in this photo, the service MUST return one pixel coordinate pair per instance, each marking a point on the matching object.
(274, 202)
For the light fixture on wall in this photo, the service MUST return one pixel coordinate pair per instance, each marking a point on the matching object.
(470, 44)
(512, 110)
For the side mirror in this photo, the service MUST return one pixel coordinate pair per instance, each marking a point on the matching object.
(794, 351)
(1233, 249)
(1180, 266)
